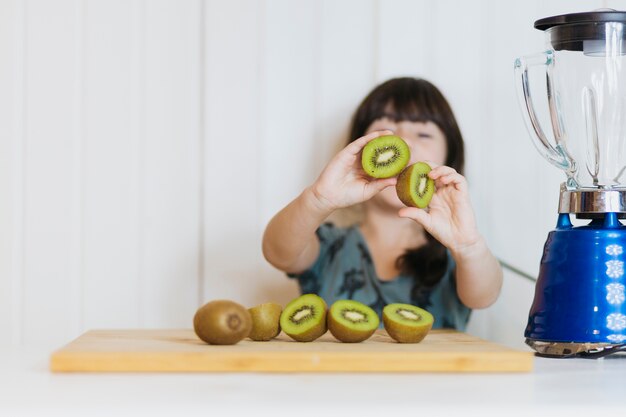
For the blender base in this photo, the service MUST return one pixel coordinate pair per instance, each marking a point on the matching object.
(574, 349)
(579, 308)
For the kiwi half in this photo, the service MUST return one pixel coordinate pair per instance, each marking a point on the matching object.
(265, 321)
(407, 323)
(385, 156)
(351, 321)
(304, 319)
(414, 187)
(222, 322)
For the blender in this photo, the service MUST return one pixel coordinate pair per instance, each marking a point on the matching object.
(579, 307)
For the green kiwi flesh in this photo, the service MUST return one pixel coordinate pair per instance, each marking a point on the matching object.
(351, 321)
(304, 319)
(265, 321)
(385, 156)
(222, 322)
(414, 187)
(407, 323)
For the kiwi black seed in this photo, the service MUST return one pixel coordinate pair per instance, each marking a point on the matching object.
(385, 156)
(407, 323)
(351, 321)
(265, 321)
(304, 318)
(414, 187)
(222, 322)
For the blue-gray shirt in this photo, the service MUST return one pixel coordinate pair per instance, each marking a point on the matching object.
(344, 270)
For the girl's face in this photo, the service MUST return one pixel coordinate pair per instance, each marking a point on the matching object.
(426, 141)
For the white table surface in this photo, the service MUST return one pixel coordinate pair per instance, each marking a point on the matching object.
(572, 386)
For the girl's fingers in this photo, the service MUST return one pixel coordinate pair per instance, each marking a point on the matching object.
(355, 147)
(457, 180)
(374, 187)
(440, 171)
(419, 215)
(444, 175)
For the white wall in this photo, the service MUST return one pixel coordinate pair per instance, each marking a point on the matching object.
(145, 144)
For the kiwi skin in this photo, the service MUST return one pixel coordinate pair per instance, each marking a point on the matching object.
(222, 322)
(343, 332)
(405, 333)
(265, 321)
(311, 334)
(403, 186)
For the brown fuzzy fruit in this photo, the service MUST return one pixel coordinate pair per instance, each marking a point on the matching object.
(265, 321)
(222, 322)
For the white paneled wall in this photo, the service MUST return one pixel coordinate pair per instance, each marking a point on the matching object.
(103, 131)
(144, 144)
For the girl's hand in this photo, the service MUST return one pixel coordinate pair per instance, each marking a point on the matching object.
(343, 182)
(450, 218)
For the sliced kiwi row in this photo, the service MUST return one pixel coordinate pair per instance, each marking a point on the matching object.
(388, 156)
(306, 318)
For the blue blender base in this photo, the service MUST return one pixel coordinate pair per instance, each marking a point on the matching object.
(580, 293)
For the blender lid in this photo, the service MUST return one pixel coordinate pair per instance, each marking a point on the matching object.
(596, 16)
(586, 32)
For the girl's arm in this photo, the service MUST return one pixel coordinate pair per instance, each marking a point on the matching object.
(289, 241)
(450, 219)
(478, 275)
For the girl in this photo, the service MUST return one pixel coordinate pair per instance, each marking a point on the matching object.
(435, 259)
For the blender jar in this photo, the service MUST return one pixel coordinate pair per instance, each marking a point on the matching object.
(585, 70)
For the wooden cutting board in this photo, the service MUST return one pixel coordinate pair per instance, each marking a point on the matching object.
(179, 350)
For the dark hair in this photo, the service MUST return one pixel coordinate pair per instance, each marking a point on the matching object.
(416, 100)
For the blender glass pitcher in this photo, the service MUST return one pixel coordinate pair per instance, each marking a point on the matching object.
(585, 67)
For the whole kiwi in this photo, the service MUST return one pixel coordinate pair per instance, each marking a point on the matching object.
(265, 321)
(222, 322)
